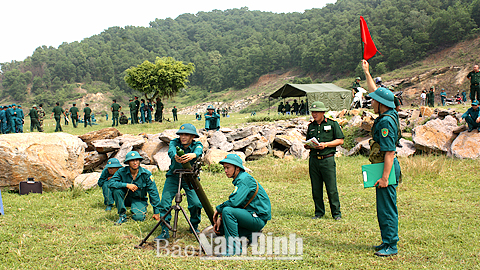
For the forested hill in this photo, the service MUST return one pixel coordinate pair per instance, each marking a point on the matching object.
(232, 48)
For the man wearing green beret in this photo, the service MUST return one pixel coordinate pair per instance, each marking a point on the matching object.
(110, 169)
(74, 114)
(322, 167)
(247, 209)
(57, 114)
(192, 151)
(130, 186)
(385, 137)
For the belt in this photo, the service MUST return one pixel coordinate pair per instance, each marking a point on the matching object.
(326, 156)
(474, 84)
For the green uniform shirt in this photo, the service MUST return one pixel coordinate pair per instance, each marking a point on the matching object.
(174, 111)
(74, 111)
(355, 85)
(103, 177)
(33, 114)
(475, 77)
(87, 111)
(132, 106)
(245, 186)
(473, 113)
(144, 181)
(212, 121)
(280, 108)
(384, 136)
(195, 147)
(327, 131)
(57, 110)
(115, 107)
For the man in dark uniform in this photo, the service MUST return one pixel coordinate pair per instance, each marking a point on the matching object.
(474, 77)
(159, 110)
(193, 150)
(322, 167)
(296, 107)
(123, 119)
(133, 111)
(34, 119)
(174, 112)
(302, 108)
(431, 97)
(137, 108)
(87, 112)
(471, 117)
(385, 137)
(74, 114)
(57, 114)
(281, 108)
(287, 108)
(130, 186)
(115, 108)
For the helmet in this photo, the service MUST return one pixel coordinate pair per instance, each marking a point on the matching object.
(378, 80)
(34, 106)
(188, 129)
(113, 163)
(318, 106)
(475, 103)
(358, 78)
(210, 107)
(233, 159)
(384, 96)
(132, 155)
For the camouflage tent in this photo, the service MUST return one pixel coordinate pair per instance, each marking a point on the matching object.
(335, 98)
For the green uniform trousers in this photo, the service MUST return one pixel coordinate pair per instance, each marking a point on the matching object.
(236, 223)
(471, 123)
(74, 120)
(170, 188)
(115, 119)
(324, 171)
(387, 213)
(107, 195)
(474, 92)
(58, 127)
(133, 116)
(34, 124)
(123, 198)
(87, 120)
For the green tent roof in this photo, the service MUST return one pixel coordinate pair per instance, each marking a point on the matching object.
(334, 97)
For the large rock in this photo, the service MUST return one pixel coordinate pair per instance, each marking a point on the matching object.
(167, 135)
(467, 145)
(407, 149)
(106, 145)
(92, 160)
(87, 180)
(363, 148)
(367, 122)
(162, 159)
(426, 111)
(54, 159)
(436, 135)
(259, 153)
(245, 141)
(135, 141)
(102, 134)
(213, 156)
(239, 134)
(204, 140)
(150, 148)
(219, 140)
(122, 153)
(261, 143)
(298, 150)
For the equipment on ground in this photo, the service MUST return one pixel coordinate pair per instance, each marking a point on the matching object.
(30, 186)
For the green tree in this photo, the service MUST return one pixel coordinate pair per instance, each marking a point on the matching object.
(164, 78)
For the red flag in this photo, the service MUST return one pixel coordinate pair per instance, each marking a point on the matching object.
(369, 49)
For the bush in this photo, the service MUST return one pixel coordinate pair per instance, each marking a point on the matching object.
(213, 168)
(351, 133)
(270, 118)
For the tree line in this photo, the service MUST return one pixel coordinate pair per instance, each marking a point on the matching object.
(232, 48)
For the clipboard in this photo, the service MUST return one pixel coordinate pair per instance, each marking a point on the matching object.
(372, 172)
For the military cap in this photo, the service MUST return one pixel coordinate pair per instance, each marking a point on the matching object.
(233, 159)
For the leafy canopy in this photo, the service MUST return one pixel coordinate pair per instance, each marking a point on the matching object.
(163, 79)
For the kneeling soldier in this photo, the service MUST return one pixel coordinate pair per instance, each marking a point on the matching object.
(130, 186)
(110, 169)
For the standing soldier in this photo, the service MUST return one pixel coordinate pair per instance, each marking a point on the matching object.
(57, 113)
(296, 107)
(87, 116)
(133, 110)
(137, 107)
(159, 111)
(287, 108)
(34, 119)
(20, 119)
(193, 150)
(383, 146)
(474, 77)
(74, 114)
(321, 165)
(41, 116)
(3, 120)
(12, 118)
(443, 96)
(149, 110)
(115, 112)
(281, 108)
(302, 108)
(431, 97)
(174, 112)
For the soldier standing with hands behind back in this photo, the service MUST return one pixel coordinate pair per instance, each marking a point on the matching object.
(321, 165)
(474, 77)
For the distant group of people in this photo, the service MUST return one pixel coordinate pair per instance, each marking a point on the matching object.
(12, 119)
(295, 108)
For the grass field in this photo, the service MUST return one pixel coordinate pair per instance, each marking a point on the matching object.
(438, 205)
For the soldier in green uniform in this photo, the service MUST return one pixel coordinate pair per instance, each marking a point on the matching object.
(133, 111)
(3, 120)
(474, 77)
(193, 150)
(174, 112)
(443, 96)
(212, 119)
(123, 119)
(130, 186)
(110, 169)
(11, 118)
(431, 97)
(74, 114)
(356, 84)
(57, 114)
(87, 112)
(34, 119)
(385, 136)
(41, 116)
(296, 107)
(322, 167)
(281, 108)
(247, 209)
(471, 117)
(159, 110)
(19, 119)
(287, 108)
(115, 108)
(137, 108)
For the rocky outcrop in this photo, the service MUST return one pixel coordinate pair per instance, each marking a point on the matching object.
(106, 133)
(436, 135)
(467, 145)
